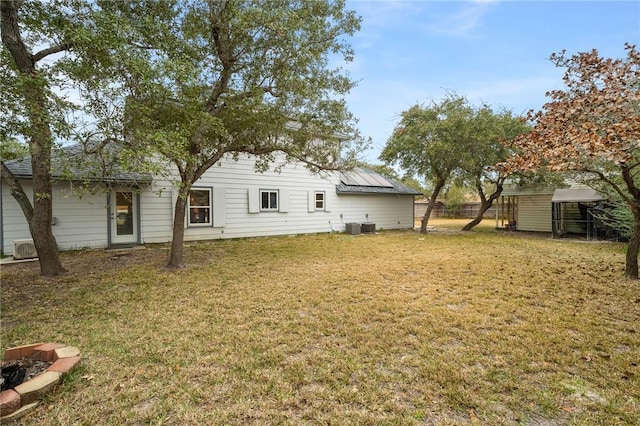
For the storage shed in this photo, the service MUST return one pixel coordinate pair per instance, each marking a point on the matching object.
(526, 208)
(573, 211)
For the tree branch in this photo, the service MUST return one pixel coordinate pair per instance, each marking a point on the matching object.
(11, 37)
(17, 191)
(611, 183)
(62, 47)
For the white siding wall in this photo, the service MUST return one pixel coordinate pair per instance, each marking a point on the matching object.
(239, 182)
(83, 222)
(79, 223)
(534, 213)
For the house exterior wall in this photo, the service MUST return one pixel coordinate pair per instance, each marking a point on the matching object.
(534, 213)
(82, 222)
(237, 182)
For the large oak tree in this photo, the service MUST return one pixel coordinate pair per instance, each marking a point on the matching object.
(592, 128)
(236, 77)
(454, 141)
(32, 33)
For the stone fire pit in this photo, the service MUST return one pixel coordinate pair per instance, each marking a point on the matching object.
(16, 402)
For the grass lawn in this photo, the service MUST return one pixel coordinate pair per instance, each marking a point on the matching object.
(487, 327)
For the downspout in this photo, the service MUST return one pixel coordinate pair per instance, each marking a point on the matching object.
(1, 221)
(413, 212)
(139, 214)
(108, 216)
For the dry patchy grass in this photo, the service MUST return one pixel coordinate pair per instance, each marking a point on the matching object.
(484, 327)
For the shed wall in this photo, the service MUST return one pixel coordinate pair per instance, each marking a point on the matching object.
(534, 213)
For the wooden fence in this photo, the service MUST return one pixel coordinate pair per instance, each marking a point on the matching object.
(467, 210)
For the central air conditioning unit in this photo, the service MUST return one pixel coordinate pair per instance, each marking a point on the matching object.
(24, 249)
(352, 228)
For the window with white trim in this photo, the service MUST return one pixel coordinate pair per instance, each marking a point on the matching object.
(199, 207)
(268, 200)
(319, 200)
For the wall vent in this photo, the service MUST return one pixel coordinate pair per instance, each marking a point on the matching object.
(24, 249)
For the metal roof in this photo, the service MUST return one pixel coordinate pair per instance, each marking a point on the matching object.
(365, 181)
(576, 195)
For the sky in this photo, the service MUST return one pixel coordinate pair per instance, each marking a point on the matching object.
(493, 52)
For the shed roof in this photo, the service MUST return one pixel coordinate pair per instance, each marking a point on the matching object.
(576, 195)
(365, 181)
(528, 190)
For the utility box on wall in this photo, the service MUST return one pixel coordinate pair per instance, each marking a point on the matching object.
(352, 228)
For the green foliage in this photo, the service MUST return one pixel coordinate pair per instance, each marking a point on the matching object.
(430, 140)
(234, 77)
(453, 140)
(454, 197)
(382, 169)
(414, 183)
(541, 177)
(488, 144)
(620, 218)
(11, 149)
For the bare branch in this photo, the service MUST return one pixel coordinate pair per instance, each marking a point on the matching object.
(62, 47)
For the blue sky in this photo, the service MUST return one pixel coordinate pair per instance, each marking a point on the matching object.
(496, 52)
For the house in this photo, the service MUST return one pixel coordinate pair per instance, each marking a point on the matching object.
(560, 211)
(231, 200)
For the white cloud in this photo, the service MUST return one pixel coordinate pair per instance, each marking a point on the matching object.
(462, 22)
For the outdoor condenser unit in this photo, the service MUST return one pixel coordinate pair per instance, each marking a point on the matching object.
(352, 228)
(24, 249)
(368, 228)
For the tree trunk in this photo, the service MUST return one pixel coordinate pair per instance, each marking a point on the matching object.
(40, 143)
(40, 224)
(177, 242)
(631, 261)
(484, 206)
(39, 220)
(432, 203)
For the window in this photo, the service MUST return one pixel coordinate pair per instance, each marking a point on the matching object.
(199, 207)
(319, 199)
(269, 200)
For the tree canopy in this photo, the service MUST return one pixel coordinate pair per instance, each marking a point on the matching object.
(429, 141)
(592, 128)
(452, 140)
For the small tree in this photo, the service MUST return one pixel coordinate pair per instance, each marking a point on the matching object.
(593, 128)
(490, 131)
(430, 142)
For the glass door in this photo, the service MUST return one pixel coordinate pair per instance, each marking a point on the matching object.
(124, 217)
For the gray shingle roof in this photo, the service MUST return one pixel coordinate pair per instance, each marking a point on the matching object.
(74, 163)
(365, 181)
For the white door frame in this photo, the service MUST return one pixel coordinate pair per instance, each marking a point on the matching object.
(124, 216)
